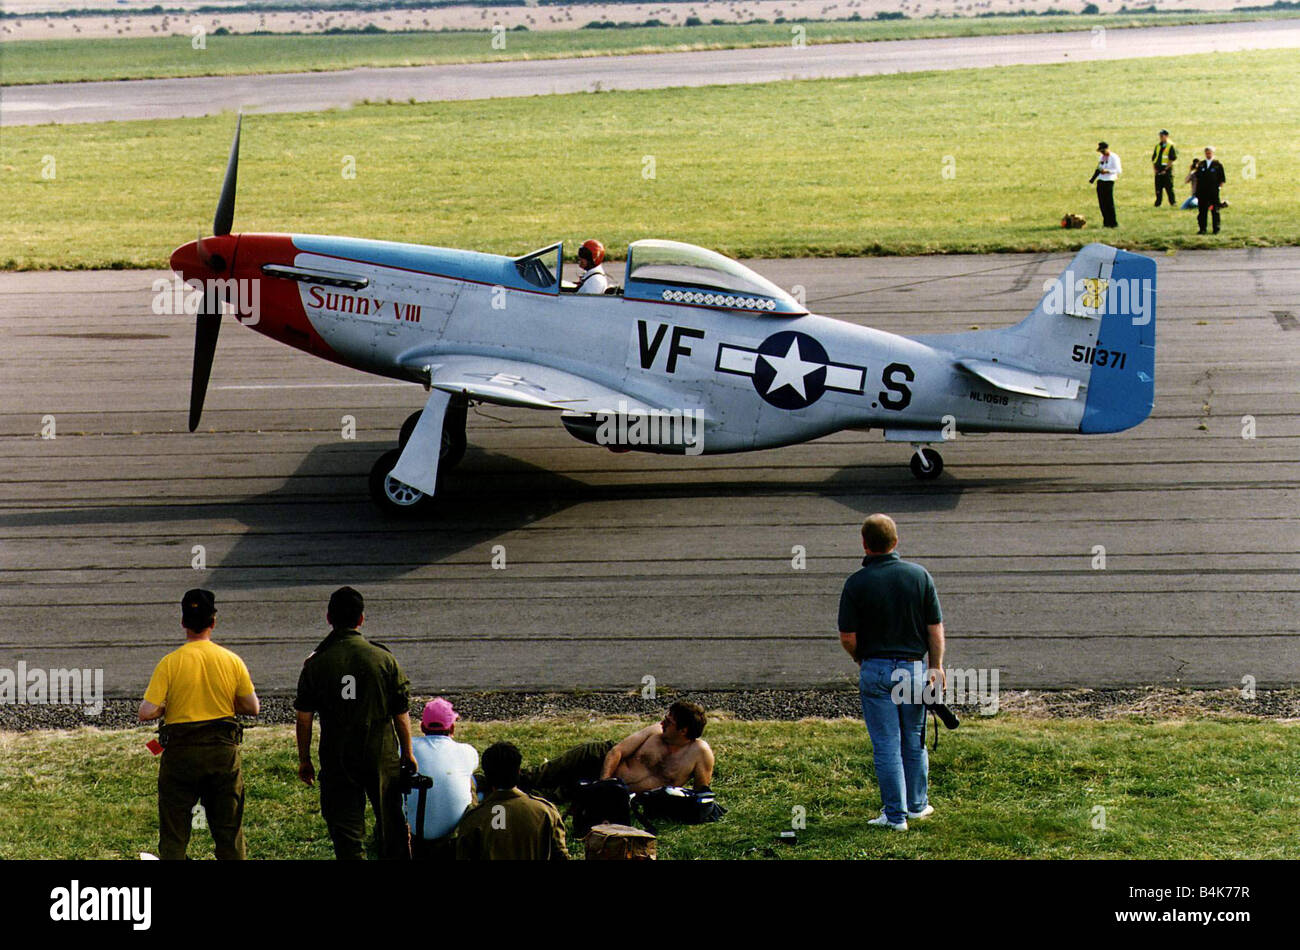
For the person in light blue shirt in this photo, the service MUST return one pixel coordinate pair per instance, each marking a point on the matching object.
(433, 813)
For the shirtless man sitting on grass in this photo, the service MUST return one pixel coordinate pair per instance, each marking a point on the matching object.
(670, 752)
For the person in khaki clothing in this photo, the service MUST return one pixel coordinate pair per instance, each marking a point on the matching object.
(363, 700)
(197, 689)
(509, 824)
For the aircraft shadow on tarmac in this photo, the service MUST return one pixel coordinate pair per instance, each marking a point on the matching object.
(324, 504)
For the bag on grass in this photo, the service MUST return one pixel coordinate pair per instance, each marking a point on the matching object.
(604, 802)
(673, 803)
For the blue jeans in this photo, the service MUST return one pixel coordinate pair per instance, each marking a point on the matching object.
(897, 733)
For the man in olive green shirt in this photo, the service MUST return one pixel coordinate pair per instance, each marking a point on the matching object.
(363, 700)
(509, 824)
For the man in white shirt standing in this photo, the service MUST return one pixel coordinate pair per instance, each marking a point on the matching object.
(433, 813)
(593, 279)
(1108, 169)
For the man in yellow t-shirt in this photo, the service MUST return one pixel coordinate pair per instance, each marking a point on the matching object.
(198, 688)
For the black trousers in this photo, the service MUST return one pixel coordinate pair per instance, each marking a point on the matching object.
(1207, 204)
(1165, 185)
(1106, 202)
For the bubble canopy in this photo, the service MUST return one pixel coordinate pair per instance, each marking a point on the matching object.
(673, 272)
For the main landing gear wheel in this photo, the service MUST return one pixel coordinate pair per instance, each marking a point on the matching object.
(394, 497)
(454, 439)
(404, 435)
(926, 464)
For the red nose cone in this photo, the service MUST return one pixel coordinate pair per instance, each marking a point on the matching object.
(185, 260)
(210, 257)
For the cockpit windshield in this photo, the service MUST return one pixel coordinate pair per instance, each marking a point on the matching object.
(683, 273)
(541, 267)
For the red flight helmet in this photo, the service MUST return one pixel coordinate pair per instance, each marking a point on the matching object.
(595, 249)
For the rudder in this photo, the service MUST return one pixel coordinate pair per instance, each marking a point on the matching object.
(1122, 385)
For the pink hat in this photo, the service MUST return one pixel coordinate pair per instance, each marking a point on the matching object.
(438, 712)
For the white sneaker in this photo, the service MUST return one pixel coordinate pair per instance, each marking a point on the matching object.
(924, 813)
(880, 821)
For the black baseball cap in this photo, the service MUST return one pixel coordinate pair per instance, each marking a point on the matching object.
(346, 605)
(198, 608)
(1102, 145)
(1164, 131)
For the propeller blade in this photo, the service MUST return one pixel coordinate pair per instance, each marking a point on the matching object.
(225, 216)
(213, 262)
(206, 329)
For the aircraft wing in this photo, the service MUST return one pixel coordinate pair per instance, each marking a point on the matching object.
(507, 382)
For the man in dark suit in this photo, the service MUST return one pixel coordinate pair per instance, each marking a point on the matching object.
(1209, 178)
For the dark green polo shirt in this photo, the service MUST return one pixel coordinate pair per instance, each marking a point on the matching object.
(888, 604)
(356, 688)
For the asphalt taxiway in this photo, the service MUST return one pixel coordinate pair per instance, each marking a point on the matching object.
(296, 92)
(619, 567)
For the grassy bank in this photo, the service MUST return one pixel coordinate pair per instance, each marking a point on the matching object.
(1004, 788)
(964, 161)
(77, 60)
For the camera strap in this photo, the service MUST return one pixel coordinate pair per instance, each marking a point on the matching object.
(419, 811)
(925, 711)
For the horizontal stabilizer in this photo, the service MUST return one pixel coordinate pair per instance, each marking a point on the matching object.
(1024, 381)
(914, 435)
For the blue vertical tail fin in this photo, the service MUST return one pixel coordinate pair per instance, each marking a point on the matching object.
(1122, 384)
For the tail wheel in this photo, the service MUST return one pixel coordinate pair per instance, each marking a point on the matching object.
(926, 464)
(394, 497)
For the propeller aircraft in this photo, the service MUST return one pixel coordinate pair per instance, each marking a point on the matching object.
(694, 353)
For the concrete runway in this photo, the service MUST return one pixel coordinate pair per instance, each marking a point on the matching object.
(624, 566)
(295, 92)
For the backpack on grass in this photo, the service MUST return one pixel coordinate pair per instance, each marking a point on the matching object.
(672, 803)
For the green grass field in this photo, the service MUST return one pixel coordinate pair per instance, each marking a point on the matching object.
(1003, 788)
(965, 161)
(41, 61)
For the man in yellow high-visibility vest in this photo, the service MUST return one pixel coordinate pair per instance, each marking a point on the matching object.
(1163, 157)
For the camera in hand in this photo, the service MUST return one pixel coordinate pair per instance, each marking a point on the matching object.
(411, 779)
(944, 714)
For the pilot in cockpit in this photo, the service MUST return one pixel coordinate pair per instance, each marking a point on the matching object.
(592, 278)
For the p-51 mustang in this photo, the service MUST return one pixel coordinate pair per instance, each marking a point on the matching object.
(694, 353)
